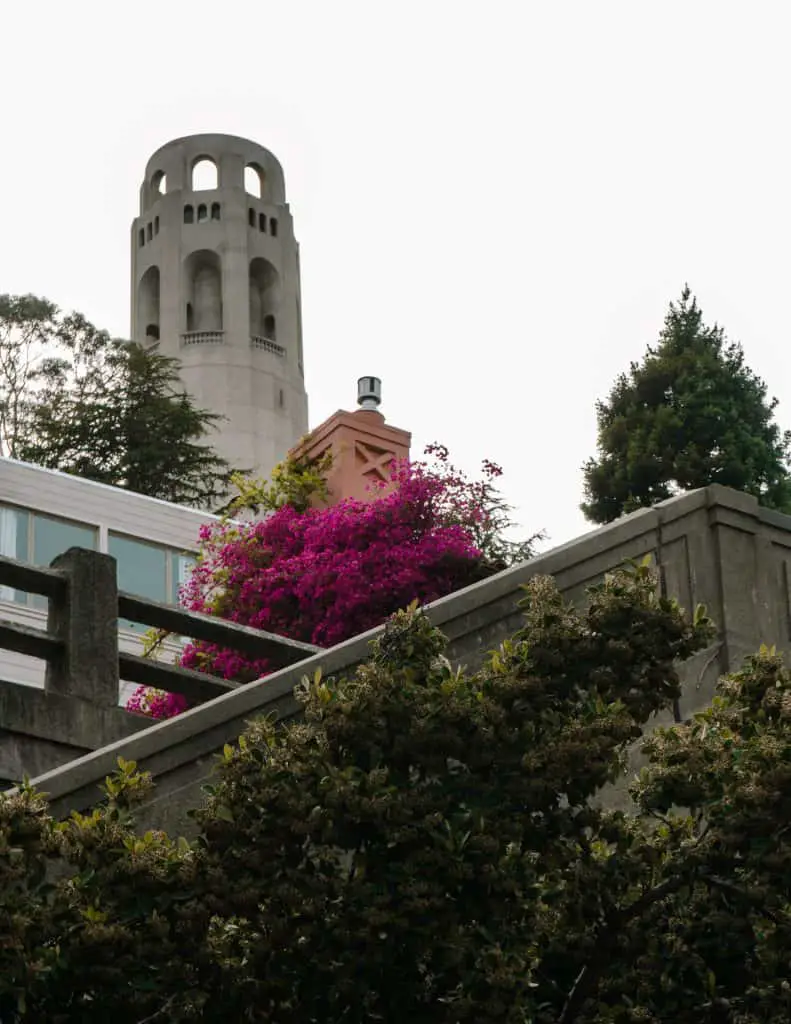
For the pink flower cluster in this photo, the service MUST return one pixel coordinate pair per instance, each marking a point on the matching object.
(323, 576)
(156, 703)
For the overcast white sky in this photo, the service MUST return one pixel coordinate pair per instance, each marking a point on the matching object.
(495, 201)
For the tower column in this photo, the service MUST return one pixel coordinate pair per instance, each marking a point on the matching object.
(199, 240)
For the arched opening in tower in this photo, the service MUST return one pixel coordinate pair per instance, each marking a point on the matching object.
(148, 305)
(254, 181)
(264, 298)
(204, 174)
(203, 287)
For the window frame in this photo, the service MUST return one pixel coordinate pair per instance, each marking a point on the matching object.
(101, 534)
(21, 597)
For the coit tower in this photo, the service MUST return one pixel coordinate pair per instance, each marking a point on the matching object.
(215, 283)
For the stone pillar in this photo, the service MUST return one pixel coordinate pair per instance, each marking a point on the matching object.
(86, 620)
(743, 575)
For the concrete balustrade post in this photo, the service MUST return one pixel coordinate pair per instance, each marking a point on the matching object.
(86, 620)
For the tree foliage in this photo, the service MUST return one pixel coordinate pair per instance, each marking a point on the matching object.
(690, 414)
(299, 481)
(73, 398)
(26, 328)
(477, 505)
(429, 845)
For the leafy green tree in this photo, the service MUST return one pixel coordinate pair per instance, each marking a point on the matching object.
(74, 399)
(690, 414)
(27, 324)
(296, 482)
(430, 845)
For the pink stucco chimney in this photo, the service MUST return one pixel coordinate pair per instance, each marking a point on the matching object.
(364, 447)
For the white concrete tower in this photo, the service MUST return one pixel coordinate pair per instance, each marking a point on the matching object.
(215, 281)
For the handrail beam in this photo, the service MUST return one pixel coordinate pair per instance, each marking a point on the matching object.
(280, 650)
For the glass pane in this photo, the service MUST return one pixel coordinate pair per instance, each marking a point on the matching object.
(181, 567)
(51, 537)
(142, 571)
(14, 533)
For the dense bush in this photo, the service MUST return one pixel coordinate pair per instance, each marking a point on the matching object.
(325, 575)
(423, 847)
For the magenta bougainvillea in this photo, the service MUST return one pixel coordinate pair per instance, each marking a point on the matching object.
(156, 703)
(325, 575)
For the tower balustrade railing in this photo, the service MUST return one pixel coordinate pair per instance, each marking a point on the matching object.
(260, 341)
(202, 338)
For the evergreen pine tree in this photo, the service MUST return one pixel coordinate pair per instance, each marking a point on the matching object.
(690, 414)
(74, 399)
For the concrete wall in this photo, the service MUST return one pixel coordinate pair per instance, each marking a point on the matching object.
(714, 546)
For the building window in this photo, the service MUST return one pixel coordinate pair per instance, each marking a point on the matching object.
(273, 227)
(202, 213)
(156, 225)
(142, 567)
(262, 222)
(269, 327)
(51, 537)
(142, 571)
(38, 539)
(148, 570)
(215, 211)
(14, 539)
(181, 567)
(141, 237)
(251, 217)
(150, 231)
(189, 214)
